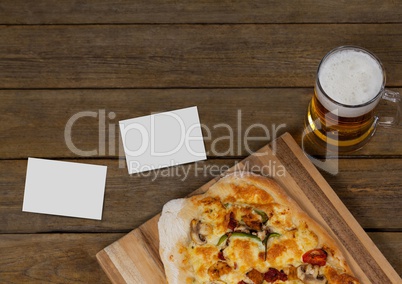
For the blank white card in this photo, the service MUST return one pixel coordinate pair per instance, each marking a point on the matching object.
(162, 140)
(64, 188)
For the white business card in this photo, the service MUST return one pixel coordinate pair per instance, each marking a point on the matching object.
(162, 140)
(64, 188)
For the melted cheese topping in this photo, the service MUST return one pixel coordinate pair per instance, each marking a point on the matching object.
(280, 217)
(235, 257)
(201, 259)
(245, 252)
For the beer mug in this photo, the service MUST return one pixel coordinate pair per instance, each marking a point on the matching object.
(350, 83)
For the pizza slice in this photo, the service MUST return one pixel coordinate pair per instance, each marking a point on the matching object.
(246, 230)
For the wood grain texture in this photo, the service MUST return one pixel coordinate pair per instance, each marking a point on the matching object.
(34, 121)
(131, 200)
(302, 182)
(335, 215)
(131, 58)
(161, 56)
(369, 186)
(52, 258)
(205, 11)
(70, 258)
(390, 244)
(135, 257)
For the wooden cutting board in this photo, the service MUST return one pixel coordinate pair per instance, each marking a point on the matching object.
(135, 258)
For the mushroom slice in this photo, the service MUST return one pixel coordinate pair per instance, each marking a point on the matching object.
(198, 231)
(309, 274)
(243, 229)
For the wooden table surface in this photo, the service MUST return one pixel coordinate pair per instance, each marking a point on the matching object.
(124, 59)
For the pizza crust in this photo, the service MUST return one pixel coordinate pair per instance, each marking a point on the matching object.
(170, 236)
(174, 230)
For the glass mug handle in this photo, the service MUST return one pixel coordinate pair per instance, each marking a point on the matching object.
(393, 120)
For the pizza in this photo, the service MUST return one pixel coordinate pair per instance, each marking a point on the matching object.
(246, 230)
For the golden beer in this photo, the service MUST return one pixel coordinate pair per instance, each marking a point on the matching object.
(339, 131)
(349, 85)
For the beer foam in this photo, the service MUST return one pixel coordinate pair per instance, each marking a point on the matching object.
(351, 77)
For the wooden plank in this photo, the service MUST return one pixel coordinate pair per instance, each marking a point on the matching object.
(390, 245)
(130, 258)
(70, 258)
(205, 11)
(52, 258)
(306, 186)
(36, 120)
(369, 186)
(370, 198)
(338, 219)
(160, 56)
(129, 200)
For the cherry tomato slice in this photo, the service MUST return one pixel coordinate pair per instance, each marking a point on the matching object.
(315, 257)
